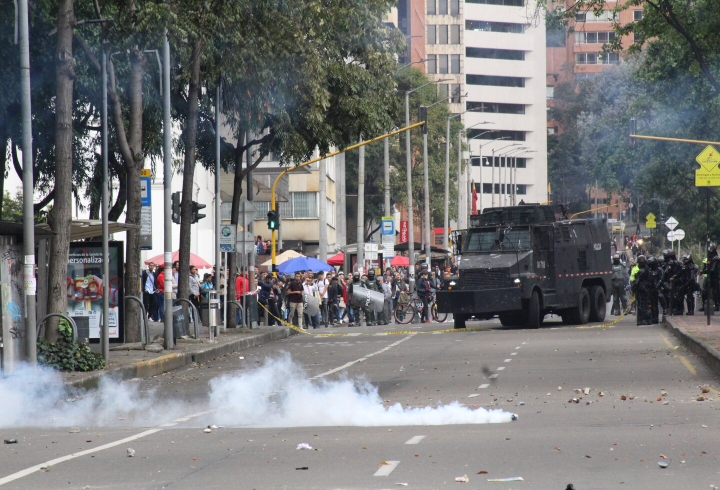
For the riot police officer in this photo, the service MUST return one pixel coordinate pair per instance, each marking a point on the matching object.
(357, 304)
(374, 284)
(711, 269)
(641, 287)
(619, 283)
(671, 271)
(655, 279)
(686, 285)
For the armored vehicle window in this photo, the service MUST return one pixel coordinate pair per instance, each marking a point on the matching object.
(485, 240)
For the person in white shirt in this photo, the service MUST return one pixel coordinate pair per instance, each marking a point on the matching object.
(309, 290)
(322, 285)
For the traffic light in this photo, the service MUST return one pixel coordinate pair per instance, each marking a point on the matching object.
(632, 128)
(175, 207)
(422, 116)
(196, 206)
(273, 220)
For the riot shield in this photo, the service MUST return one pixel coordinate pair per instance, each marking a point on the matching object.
(367, 298)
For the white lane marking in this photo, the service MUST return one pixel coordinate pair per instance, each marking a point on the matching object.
(483, 386)
(353, 334)
(52, 462)
(518, 347)
(513, 353)
(524, 343)
(415, 440)
(507, 360)
(62, 459)
(386, 469)
(501, 368)
(493, 376)
(348, 364)
(473, 395)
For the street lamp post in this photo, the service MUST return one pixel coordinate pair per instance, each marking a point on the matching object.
(507, 175)
(408, 162)
(469, 167)
(499, 169)
(514, 171)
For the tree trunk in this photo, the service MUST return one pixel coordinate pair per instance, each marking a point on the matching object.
(189, 171)
(3, 163)
(61, 213)
(134, 141)
(234, 217)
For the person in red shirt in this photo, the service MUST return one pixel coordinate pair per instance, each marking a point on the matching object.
(241, 287)
(160, 294)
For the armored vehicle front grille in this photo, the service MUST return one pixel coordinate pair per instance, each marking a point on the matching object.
(484, 279)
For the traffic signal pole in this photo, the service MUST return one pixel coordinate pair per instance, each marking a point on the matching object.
(273, 200)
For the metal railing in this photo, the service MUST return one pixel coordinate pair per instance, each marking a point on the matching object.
(145, 332)
(195, 313)
(72, 323)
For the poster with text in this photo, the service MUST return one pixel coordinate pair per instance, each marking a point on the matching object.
(85, 287)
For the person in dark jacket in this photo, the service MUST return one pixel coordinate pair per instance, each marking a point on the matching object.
(334, 292)
(424, 293)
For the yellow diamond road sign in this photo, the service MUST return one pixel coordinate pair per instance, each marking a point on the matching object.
(709, 174)
(650, 217)
(650, 224)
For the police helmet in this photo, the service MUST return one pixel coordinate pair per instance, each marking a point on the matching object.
(712, 247)
(665, 252)
(686, 258)
(672, 255)
(371, 274)
(356, 275)
(424, 266)
(616, 257)
(652, 262)
(641, 260)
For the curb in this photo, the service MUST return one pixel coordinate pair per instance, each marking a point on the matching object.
(173, 361)
(697, 346)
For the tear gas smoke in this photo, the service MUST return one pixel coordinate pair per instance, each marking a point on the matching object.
(277, 394)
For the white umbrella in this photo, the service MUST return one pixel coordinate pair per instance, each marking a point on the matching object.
(286, 255)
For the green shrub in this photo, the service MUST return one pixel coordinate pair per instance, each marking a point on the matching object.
(66, 355)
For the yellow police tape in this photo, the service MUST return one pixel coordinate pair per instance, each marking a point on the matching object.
(413, 332)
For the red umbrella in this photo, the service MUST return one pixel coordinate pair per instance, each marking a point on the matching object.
(195, 260)
(337, 259)
(400, 261)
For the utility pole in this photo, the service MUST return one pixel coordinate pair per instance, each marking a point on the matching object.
(446, 219)
(361, 211)
(322, 210)
(218, 200)
(105, 332)
(411, 227)
(169, 340)
(30, 289)
(426, 186)
(386, 143)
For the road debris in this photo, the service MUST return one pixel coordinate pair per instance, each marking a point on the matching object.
(521, 404)
(74, 430)
(303, 468)
(482, 472)
(401, 484)
(602, 393)
(130, 452)
(11, 441)
(207, 431)
(462, 479)
(500, 480)
(305, 445)
(663, 464)
(559, 388)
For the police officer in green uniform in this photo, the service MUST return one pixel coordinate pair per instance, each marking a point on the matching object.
(374, 284)
(619, 284)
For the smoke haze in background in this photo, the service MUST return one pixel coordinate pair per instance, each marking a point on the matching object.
(277, 394)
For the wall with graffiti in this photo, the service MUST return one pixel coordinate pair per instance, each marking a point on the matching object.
(12, 300)
(85, 284)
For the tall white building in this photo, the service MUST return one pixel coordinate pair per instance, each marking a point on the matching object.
(505, 84)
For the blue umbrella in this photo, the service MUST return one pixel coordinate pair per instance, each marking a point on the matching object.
(303, 263)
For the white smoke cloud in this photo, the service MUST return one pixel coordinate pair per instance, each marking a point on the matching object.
(277, 394)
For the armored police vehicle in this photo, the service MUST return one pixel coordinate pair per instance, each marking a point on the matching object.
(520, 263)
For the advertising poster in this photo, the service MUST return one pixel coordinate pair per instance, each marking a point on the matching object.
(85, 289)
(12, 315)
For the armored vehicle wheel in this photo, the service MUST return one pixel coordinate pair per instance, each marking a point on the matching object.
(533, 311)
(512, 318)
(459, 320)
(580, 314)
(598, 305)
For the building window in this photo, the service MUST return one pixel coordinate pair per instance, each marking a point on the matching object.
(443, 91)
(454, 63)
(500, 162)
(603, 16)
(443, 62)
(454, 7)
(551, 130)
(330, 212)
(442, 7)
(637, 38)
(455, 92)
(507, 3)
(300, 205)
(431, 8)
(495, 107)
(637, 15)
(594, 37)
(455, 34)
(549, 92)
(500, 189)
(496, 134)
(495, 54)
(442, 34)
(431, 64)
(597, 58)
(495, 81)
(482, 25)
(584, 76)
(431, 34)
(261, 210)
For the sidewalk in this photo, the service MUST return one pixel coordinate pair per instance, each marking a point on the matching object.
(701, 338)
(129, 364)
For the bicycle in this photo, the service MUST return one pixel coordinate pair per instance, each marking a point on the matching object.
(405, 312)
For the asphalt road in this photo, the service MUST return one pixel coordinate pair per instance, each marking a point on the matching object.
(642, 408)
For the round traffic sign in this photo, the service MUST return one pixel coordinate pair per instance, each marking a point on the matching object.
(671, 236)
(679, 234)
